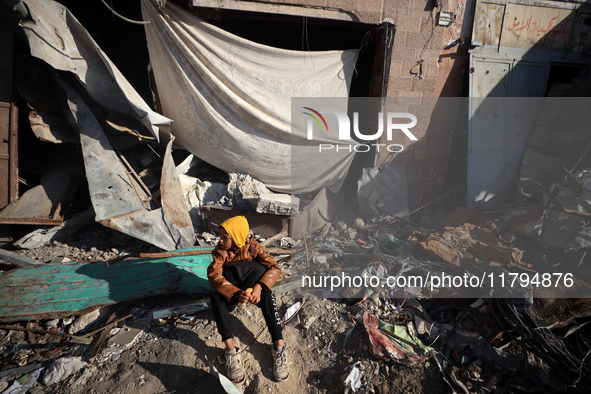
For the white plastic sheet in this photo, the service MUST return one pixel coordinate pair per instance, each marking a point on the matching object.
(230, 98)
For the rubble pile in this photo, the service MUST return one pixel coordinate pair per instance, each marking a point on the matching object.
(371, 339)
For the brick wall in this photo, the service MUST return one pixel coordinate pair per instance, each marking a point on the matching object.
(422, 66)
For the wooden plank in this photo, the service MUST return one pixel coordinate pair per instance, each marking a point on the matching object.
(62, 289)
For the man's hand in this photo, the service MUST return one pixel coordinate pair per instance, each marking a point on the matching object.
(255, 296)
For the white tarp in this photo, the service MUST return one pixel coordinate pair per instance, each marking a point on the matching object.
(57, 37)
(230, 99)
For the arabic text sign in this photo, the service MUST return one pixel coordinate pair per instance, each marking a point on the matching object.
(526, 26)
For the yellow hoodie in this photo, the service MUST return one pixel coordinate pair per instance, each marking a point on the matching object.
(237, 228)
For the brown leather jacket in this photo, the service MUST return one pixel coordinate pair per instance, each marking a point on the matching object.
(250, 251)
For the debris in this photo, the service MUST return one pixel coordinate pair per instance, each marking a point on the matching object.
(320, 262)
(525, 221)
(291, 315)
(227, 385)
(46, 203)
(22, 385)
(20, 370)
(353, 380)
(71, 338)
(81, 380)
(399, 343)
(61, 369)
(269, 241)
(251, 194)
(177, 310)
(17, 259)
(109, 324)
(128, 334)
(52, 323)
(82, 322)
(454, 244)
(358, 224)
(565, 230)
(383, 191)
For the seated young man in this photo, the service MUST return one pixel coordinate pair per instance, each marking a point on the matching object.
(242, 272)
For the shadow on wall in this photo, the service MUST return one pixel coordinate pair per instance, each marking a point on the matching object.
(530, 65)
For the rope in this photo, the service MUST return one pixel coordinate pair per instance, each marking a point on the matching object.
(122, 17)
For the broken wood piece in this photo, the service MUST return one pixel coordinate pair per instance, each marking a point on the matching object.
(15, 258)
(71, 338)
(274, 238)
(101, 340)
(177, 310)
(90, 334)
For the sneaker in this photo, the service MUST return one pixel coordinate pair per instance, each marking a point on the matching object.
(234, 368)
(280, 365)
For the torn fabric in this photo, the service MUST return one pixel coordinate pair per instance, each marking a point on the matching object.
(230, 99)
(398, 343)
(56, 37)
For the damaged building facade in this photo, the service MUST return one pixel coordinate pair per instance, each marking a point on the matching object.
(158, 119)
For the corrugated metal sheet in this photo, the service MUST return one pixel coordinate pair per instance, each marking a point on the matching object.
(119, 201)
(64, 289)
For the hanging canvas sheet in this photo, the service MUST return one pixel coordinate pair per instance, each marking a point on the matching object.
(230, 100)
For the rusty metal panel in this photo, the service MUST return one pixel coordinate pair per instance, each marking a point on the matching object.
(488, 20)
(13, 175)
(117, 198)
(174, 204)
(526, 26)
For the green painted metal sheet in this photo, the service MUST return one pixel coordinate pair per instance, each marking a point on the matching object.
(64, 289)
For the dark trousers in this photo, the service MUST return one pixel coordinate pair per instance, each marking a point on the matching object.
(245, 274)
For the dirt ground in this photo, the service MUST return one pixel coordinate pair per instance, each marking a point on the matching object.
(172, 358)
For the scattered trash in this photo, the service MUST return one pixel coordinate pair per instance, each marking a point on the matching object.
(353, 380)
(321, 262)
(177, 310)
(395, 342)
(82, 322)
(23, 384)
(61, 369)
(291, 315)
(226, 383)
